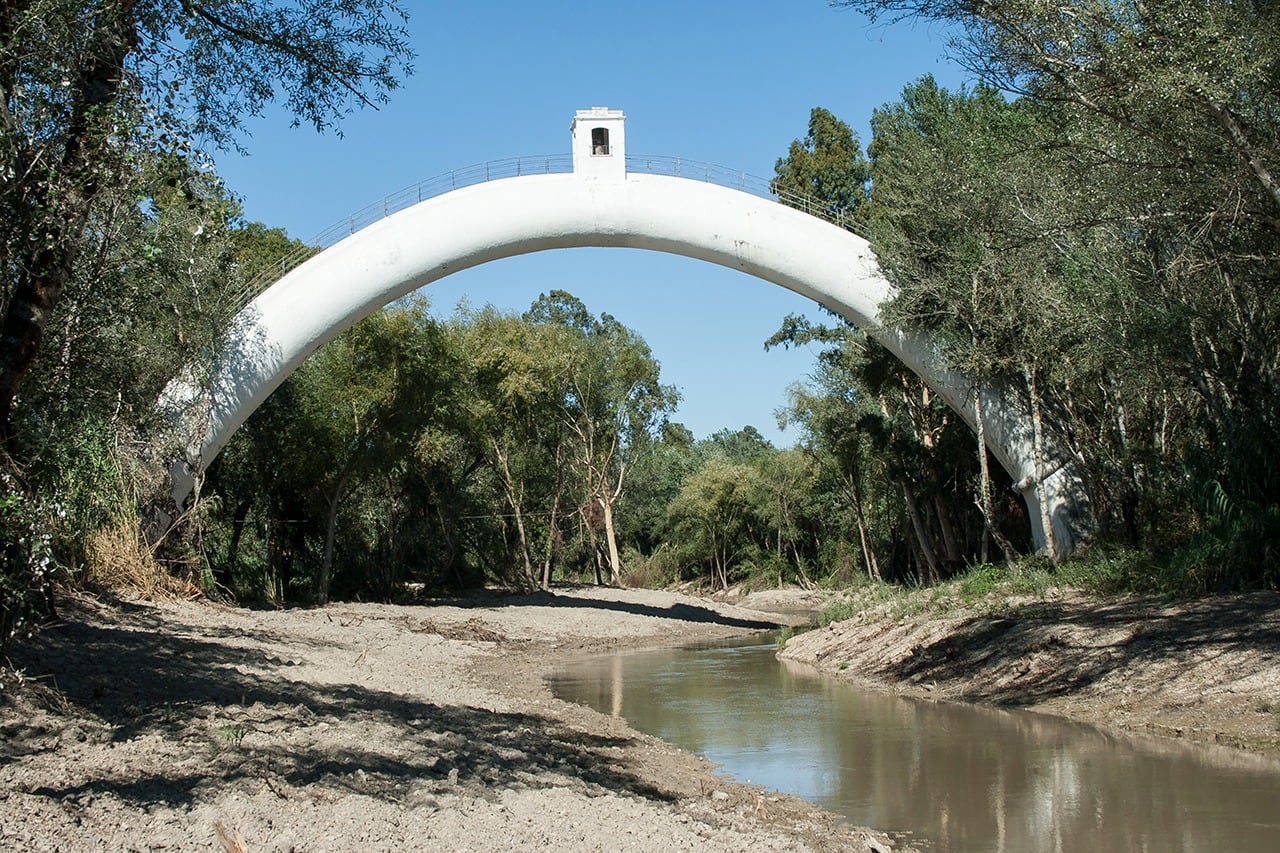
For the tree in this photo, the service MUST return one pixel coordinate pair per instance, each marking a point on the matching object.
(958, 180)
(515, 375)
(150, 296)
(1158, 139)
(831, 417)
(658, 469)
(713, 515)
(826, 169)
(612, 400)
(786, 498)
(86, 86)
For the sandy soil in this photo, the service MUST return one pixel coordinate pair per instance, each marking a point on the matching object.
(1205, 670)
(181, 726)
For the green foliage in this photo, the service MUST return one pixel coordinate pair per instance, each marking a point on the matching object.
(488, 447)
(26, 560)
(1100, 213)
(826, 169)
(101, 97)
(1091, 226)
(979, 582)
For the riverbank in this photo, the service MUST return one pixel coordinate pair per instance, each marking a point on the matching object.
(166, 725)
(1205, 670)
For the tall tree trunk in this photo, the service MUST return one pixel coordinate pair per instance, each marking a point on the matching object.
(1037, 445)
(723, 560)
(225, 576)
(56, 210)
(805, 582)
(553, 536)
(923, 538)
(611, 538)
(950, 543)
(331, 526)
(868, 554)
(508, 485)
(989, 529)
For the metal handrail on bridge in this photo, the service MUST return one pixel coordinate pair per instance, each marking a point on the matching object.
(544, 165)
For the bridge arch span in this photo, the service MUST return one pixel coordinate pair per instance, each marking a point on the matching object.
(428, 241)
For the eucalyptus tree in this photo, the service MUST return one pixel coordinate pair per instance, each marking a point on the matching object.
(659, 466)
(958, 191)
(830, 410)
(713, 516)
(363, 455)
(611, 402)
(348, 415)
(515, 373)
(873, 401)
(787, 500)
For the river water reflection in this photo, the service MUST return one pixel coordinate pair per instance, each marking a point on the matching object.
(954, 777)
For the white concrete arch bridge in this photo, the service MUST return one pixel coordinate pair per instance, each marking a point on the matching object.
(597, 197)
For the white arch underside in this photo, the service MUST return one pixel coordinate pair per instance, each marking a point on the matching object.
(314, 303)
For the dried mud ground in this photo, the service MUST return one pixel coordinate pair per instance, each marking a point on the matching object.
(183, 726)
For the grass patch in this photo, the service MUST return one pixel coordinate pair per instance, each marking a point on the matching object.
(1100, 570)
(233, 734)
(859, 599)
(979, 582)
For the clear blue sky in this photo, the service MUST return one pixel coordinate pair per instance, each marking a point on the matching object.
(725, 83)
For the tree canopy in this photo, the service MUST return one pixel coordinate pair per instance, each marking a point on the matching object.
(86, 89)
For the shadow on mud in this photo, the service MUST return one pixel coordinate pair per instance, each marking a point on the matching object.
(1045, 649)
(232, 716)
(681, 611)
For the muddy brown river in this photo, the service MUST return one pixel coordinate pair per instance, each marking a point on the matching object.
(947, 777)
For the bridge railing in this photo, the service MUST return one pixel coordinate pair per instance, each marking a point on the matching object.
(733, 179)
(519, 166)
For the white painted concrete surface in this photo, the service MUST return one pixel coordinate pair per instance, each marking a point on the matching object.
(599, 144)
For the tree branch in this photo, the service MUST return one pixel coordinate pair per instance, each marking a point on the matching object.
(277, 43)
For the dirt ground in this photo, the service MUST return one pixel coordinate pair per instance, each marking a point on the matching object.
(1205, 670)
(183, 726)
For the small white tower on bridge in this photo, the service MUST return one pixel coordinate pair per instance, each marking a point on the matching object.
(599, 144)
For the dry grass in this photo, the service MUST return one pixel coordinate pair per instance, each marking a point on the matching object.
(120, 558)
(232, 840)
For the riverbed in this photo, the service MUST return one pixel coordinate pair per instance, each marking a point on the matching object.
(185, 726)
(137, 724)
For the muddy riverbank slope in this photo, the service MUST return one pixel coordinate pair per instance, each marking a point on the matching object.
(1206, 670)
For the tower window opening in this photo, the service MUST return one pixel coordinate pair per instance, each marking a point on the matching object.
(599, 140)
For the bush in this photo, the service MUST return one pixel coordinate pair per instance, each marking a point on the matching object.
(659, 569)
(26, 560)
